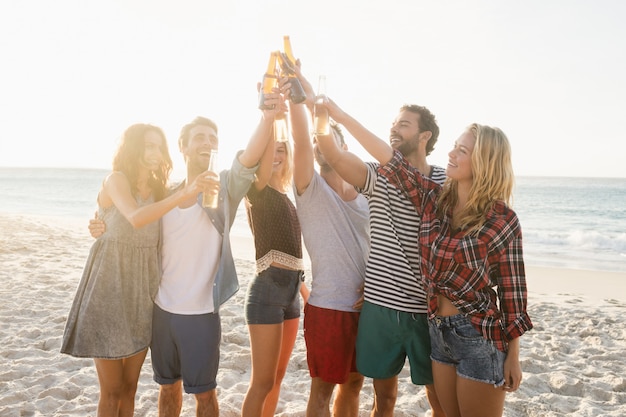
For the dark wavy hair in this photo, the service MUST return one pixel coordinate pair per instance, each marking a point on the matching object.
(130, 152)
(427, 123)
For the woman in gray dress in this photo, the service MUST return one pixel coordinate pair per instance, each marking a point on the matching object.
(111, 317)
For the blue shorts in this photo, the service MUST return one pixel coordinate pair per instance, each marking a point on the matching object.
(386, 337)
(273, 296)
(455, 341)
(187, 347)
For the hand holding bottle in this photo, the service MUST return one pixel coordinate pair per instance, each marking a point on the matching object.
(270, 81)
(207, 182)
(334, 111)
(306, 86)
(211, 192)
(274, 102)
(321, 119)
(287, 64)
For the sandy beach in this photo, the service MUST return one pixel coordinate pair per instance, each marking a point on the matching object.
(574, 360)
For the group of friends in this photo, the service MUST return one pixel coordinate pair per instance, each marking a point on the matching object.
(408, 260)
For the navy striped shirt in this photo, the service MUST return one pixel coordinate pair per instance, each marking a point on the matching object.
(392, 276)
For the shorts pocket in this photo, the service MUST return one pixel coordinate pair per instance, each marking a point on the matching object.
(466, 331)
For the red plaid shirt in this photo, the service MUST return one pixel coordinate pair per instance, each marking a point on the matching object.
(482, 274)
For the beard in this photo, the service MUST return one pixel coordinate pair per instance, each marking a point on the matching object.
(408, 146)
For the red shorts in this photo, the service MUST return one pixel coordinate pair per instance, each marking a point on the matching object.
(330, 338)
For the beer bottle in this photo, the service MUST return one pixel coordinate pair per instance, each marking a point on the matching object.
(270, 81)
(287, 63)
(321, 121)
(281, 128)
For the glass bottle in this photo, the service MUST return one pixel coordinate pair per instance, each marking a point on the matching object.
(281, 128)
(270, 81)
(321, 121)
(210, 199)
(287, 64)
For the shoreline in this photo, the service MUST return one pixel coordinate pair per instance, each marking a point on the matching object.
(573, 359)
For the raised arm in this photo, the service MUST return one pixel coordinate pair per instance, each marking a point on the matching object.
(303, 167)
(375, 146)
(262, 135)
(264, 173)
(349, 166)
(116, 191)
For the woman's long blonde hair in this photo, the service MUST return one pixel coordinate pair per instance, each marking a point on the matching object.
(493, 179)
(286, 174)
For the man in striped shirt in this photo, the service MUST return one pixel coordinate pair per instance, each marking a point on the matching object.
(393, 323)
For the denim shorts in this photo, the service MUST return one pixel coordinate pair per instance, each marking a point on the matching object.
(273, 296)
(455, 341)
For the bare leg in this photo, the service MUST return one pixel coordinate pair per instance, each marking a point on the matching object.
(433, 400)
(171, 399)
(118, 384)
(445, 385)
(290, 331)
(206, 404)
(479, 399)
(385, 394)
(347, 400)
(265, 342)
(110, 379)
(319, 398)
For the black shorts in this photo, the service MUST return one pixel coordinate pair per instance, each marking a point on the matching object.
(273, 296)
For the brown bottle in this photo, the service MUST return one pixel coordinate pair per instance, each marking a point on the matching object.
(270, 81)
(287, 63)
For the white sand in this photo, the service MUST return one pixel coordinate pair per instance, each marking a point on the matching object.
(574, 361)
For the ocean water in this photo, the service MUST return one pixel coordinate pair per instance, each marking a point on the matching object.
(566, 222)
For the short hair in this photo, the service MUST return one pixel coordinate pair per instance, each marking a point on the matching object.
(183, 138)
(427, 123)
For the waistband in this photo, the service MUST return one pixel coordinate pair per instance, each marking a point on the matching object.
(449, 320)
(296, 273)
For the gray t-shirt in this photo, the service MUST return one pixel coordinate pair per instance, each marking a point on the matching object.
(336, 236)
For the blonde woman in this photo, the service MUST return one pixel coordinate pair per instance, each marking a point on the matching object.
(471, 246)
(272, 306)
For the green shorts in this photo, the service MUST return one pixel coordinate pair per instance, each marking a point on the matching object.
(386, 337)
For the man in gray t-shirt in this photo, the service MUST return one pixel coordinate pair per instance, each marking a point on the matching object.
(334, 219)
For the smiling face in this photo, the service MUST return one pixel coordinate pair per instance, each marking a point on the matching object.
(280, 158)
(404, 133)
(197, 149)
(152, 150)
(460, 158)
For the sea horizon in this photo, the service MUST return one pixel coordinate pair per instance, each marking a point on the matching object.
(567, 222)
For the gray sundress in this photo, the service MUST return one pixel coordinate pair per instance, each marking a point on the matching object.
(111, 316)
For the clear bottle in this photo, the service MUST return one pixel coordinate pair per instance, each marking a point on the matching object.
(321, 121)
(281, 128)
(270, 81)
(210, 199)
(287, 63)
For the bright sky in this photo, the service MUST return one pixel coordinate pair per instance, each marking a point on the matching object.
(75, 73)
